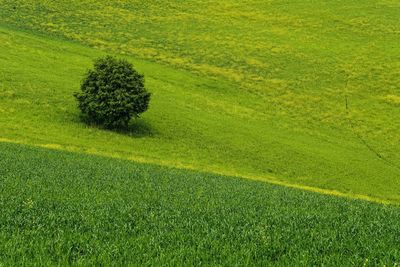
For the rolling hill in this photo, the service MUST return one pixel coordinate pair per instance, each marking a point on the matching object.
(254, 105)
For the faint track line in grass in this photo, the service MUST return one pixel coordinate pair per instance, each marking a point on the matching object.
(365, 143)
(359, 137)
(172, 164)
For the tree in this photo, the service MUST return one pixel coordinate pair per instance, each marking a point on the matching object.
(112, 93)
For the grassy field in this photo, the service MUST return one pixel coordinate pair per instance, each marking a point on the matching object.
(304, 94)
(193, 122)
(61, 208)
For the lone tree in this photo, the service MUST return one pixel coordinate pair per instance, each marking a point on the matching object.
(112, 93)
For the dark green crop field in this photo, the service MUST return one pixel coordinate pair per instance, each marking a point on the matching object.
(61, 208)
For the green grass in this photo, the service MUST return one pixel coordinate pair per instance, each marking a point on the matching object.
(193, 122)
(298, 93)
(60, 208)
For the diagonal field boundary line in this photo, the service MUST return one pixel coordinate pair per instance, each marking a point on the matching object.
(364, 142)
(267, 179)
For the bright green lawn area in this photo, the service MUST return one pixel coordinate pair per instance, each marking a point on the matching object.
(300, 57)
(59, 208)
(194, 122)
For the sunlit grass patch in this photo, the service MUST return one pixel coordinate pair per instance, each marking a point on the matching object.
(265, 86)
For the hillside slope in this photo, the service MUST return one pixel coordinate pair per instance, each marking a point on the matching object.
(303, 58)
(193, 122)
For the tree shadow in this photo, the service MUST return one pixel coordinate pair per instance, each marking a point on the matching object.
(138, 129)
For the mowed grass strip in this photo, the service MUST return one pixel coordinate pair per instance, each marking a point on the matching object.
(65, 208)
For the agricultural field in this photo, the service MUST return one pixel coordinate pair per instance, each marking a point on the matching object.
(272, 136)
(62, 208)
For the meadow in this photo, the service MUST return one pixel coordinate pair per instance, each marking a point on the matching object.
(256, 107)
(60, 208)
(290, 125)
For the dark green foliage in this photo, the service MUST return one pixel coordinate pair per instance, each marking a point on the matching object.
(112, 93)
(106, 212)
